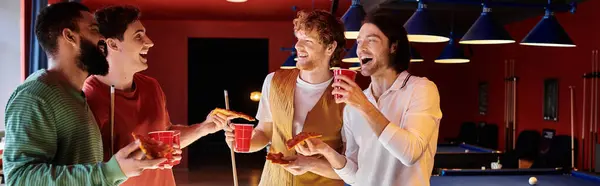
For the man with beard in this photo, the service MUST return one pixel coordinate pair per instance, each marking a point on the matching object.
(300, 100)
(51, 135)
(391, 128)
(139, 102)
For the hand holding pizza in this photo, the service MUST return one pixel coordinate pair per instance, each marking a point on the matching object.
(314, 146)
(131, 162)
(298, 164)
(300, 139)
(220, 115)
(277, 158)
(218, 119)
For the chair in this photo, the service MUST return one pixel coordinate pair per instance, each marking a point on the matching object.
(467, 134)
(528, 145)
(488, 137)
(559, 153)
(526, 149)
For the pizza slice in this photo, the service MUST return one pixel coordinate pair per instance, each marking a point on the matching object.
(300, 139)
(153, 149)
(230, 113)
(277, 158)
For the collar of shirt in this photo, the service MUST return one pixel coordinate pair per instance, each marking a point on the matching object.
(398, 84)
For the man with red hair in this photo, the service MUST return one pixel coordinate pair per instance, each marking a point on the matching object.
(300, 100)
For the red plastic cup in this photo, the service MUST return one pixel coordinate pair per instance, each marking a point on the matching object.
(167, 138)
(345, 72)
(177, 140)
(243, 134)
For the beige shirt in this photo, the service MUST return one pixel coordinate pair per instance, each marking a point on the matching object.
(403, 154)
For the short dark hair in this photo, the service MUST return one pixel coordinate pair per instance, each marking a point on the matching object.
(114, 20)
(392, 27)
(328, 27)
(53, 19)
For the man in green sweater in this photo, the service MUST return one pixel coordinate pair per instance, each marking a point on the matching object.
(51, 135)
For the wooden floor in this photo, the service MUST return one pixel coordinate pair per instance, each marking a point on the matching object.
(210, 165)
(216, 176)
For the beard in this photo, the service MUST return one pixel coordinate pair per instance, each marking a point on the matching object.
(305, 65)
(92, 58)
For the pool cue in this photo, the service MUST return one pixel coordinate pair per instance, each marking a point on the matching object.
(506, 111)
(595, 132)
(593, 82)
(235, 178)
(572, 133)
(514, 105)
(508, 88)
(112, 119)
(583, 156)
(593, 110)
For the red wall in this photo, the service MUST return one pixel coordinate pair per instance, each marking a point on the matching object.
(168, 58)
(533, 65)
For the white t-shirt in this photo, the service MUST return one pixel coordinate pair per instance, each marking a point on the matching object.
(306, 96)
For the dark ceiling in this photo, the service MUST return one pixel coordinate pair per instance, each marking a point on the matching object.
(465, 12)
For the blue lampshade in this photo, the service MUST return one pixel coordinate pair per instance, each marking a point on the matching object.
(421, 28)
(548, 32)
(351, 56)
(353, 19)
(290, 63)
(486, 31)
(355, 67)
(452, 54)
(415, 56)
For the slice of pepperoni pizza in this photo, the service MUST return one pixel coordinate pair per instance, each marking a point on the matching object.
(300, 138)
(230, 113)
(277, 158)
(153, 149)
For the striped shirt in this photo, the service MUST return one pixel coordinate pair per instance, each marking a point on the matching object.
(52, 137)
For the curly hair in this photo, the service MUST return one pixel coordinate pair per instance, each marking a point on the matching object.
(53, 19)
(113, 20)
(329, 28)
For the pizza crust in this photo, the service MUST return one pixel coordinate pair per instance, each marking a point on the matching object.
(300, 139)
(230, 113)
(277, 158)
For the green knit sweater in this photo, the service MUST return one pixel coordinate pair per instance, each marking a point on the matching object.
(52, 137)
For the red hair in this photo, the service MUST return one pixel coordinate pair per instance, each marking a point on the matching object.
(329, 28)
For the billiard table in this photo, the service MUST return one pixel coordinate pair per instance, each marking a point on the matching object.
(463, 148)
(514, 177)
(464, 156)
